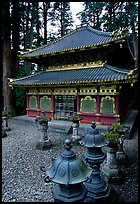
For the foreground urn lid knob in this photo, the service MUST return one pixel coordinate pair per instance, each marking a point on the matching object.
(68, 168)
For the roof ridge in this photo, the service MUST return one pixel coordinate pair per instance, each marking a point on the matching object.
(51, 43)
(100, 32)
(26, 77)
(116, 69)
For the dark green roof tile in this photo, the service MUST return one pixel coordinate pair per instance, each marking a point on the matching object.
(80, 38)
(101, 73)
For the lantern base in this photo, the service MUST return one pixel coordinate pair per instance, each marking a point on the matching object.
(7, 129)
(97, 188)
(44, 145)
(4, 134)
(112, 173)
(60, 196)
(121, 157)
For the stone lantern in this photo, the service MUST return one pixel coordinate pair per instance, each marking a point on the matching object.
(97, 187)
(111, 170)
(5, 123)
(68, 172)
(45, 143)
(121, 156)
(75, 119)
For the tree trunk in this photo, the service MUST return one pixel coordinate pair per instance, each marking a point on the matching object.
(15, 38)
(45, 21)
(62, 21)
(134, 36)
(6, 32)
(26, 40)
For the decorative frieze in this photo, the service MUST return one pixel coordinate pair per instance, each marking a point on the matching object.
(33, 91)
(77, 65)
(108, 90)
(45, 91)
(65, 91)
(88, 91)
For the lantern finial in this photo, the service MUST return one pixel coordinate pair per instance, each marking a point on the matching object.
(67, 144)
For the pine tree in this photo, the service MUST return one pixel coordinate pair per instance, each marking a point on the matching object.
(92, 14)
(61, 18)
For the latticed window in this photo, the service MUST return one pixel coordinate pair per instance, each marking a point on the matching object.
(107, 105)
(33, 102)
(45, 103)
(88, 104)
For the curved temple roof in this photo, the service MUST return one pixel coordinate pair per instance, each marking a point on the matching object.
(81, 38)
(105, 73)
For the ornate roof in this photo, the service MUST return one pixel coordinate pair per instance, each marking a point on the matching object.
(104, 73)
(81, 38)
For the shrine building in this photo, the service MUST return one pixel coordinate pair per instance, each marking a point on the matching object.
(88, 71)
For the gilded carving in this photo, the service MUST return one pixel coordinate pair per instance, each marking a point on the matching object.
(88, 90)
(33, 102)
(110, 90)
(33, 90)
(45, 103)
(78, 65)
(107, 105)
(65, 91)
(45, 91)
(88, 104)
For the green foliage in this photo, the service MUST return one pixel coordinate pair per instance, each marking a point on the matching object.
(92, 13)
(110, 16)
(112, 137)
(115, 133)
(116, 127)
(61, 17)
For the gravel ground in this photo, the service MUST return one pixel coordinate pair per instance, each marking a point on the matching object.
(22, 179)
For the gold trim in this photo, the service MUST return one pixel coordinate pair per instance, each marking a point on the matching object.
(97, 114)
(77, 66)
(116, 116)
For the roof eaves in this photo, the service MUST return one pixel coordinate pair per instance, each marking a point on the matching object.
(26, 77)
(51, 43)
(115, 69)
(92, 46)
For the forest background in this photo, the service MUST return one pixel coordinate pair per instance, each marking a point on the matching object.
(25, 27)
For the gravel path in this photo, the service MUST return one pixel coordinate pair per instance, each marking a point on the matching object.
(22, 179)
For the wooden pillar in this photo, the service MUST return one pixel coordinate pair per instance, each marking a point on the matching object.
(117, 103)
(78, 103)
(27, 102)
(98, 104)
(53, 106)
(38, 104)
(98, 109)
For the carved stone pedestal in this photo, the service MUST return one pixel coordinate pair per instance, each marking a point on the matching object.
(46, 143)
(121, 156)
(75, 136)
(110, 169)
